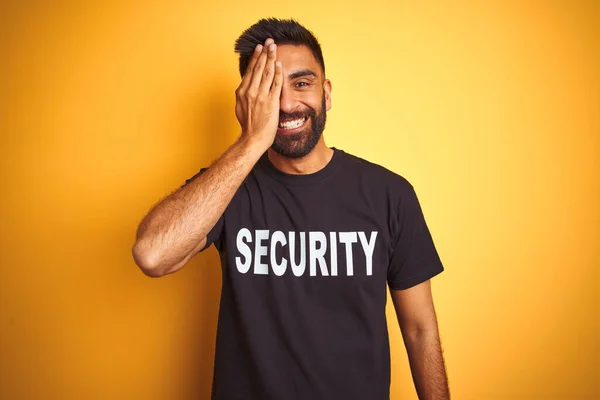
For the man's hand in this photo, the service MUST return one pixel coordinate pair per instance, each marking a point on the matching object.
(257, 97)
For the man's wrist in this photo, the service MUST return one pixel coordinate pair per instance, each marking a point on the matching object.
(253, 145)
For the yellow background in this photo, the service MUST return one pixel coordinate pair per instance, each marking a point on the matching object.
(491, 109)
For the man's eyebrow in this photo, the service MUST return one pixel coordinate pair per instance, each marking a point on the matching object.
(304, 72)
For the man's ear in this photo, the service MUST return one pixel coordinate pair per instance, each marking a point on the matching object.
(327, 90)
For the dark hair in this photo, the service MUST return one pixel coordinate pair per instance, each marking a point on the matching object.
(283, 31)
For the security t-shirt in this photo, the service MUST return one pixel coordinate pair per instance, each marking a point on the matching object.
(305, 264)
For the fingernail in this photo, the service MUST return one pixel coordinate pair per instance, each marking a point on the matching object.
(259, 48)
(272, 47)
(268, 41)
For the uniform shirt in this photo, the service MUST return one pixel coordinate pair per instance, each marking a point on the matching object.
(305, 263)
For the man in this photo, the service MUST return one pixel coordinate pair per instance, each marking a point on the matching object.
(308, 235)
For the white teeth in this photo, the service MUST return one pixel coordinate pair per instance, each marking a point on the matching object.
(292, 124)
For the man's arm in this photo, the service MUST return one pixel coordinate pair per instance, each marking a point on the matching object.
(176, 228)
(418, 323)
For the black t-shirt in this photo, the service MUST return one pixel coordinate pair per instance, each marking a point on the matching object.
(305, 261)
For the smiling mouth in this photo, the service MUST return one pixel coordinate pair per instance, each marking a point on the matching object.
(292, 124)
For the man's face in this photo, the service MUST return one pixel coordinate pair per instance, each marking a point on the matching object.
(305, 99)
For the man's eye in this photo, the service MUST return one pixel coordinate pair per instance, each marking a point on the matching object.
(301, 84)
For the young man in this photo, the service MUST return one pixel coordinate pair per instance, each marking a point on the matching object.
(309, 236)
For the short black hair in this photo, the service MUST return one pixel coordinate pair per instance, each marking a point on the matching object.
(283, 31)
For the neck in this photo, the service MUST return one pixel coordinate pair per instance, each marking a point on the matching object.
(314, 161)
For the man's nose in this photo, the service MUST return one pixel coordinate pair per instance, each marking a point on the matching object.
(287, 102)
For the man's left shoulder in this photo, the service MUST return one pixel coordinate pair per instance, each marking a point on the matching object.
(377, 174)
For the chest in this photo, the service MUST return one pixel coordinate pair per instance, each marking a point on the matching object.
(317, 232)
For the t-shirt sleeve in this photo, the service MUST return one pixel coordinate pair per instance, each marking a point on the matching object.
(414, 258)
(215, 234)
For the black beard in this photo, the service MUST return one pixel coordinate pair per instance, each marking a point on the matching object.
(300, 144)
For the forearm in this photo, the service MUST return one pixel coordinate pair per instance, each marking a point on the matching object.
(176, 228)
(427, 364)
